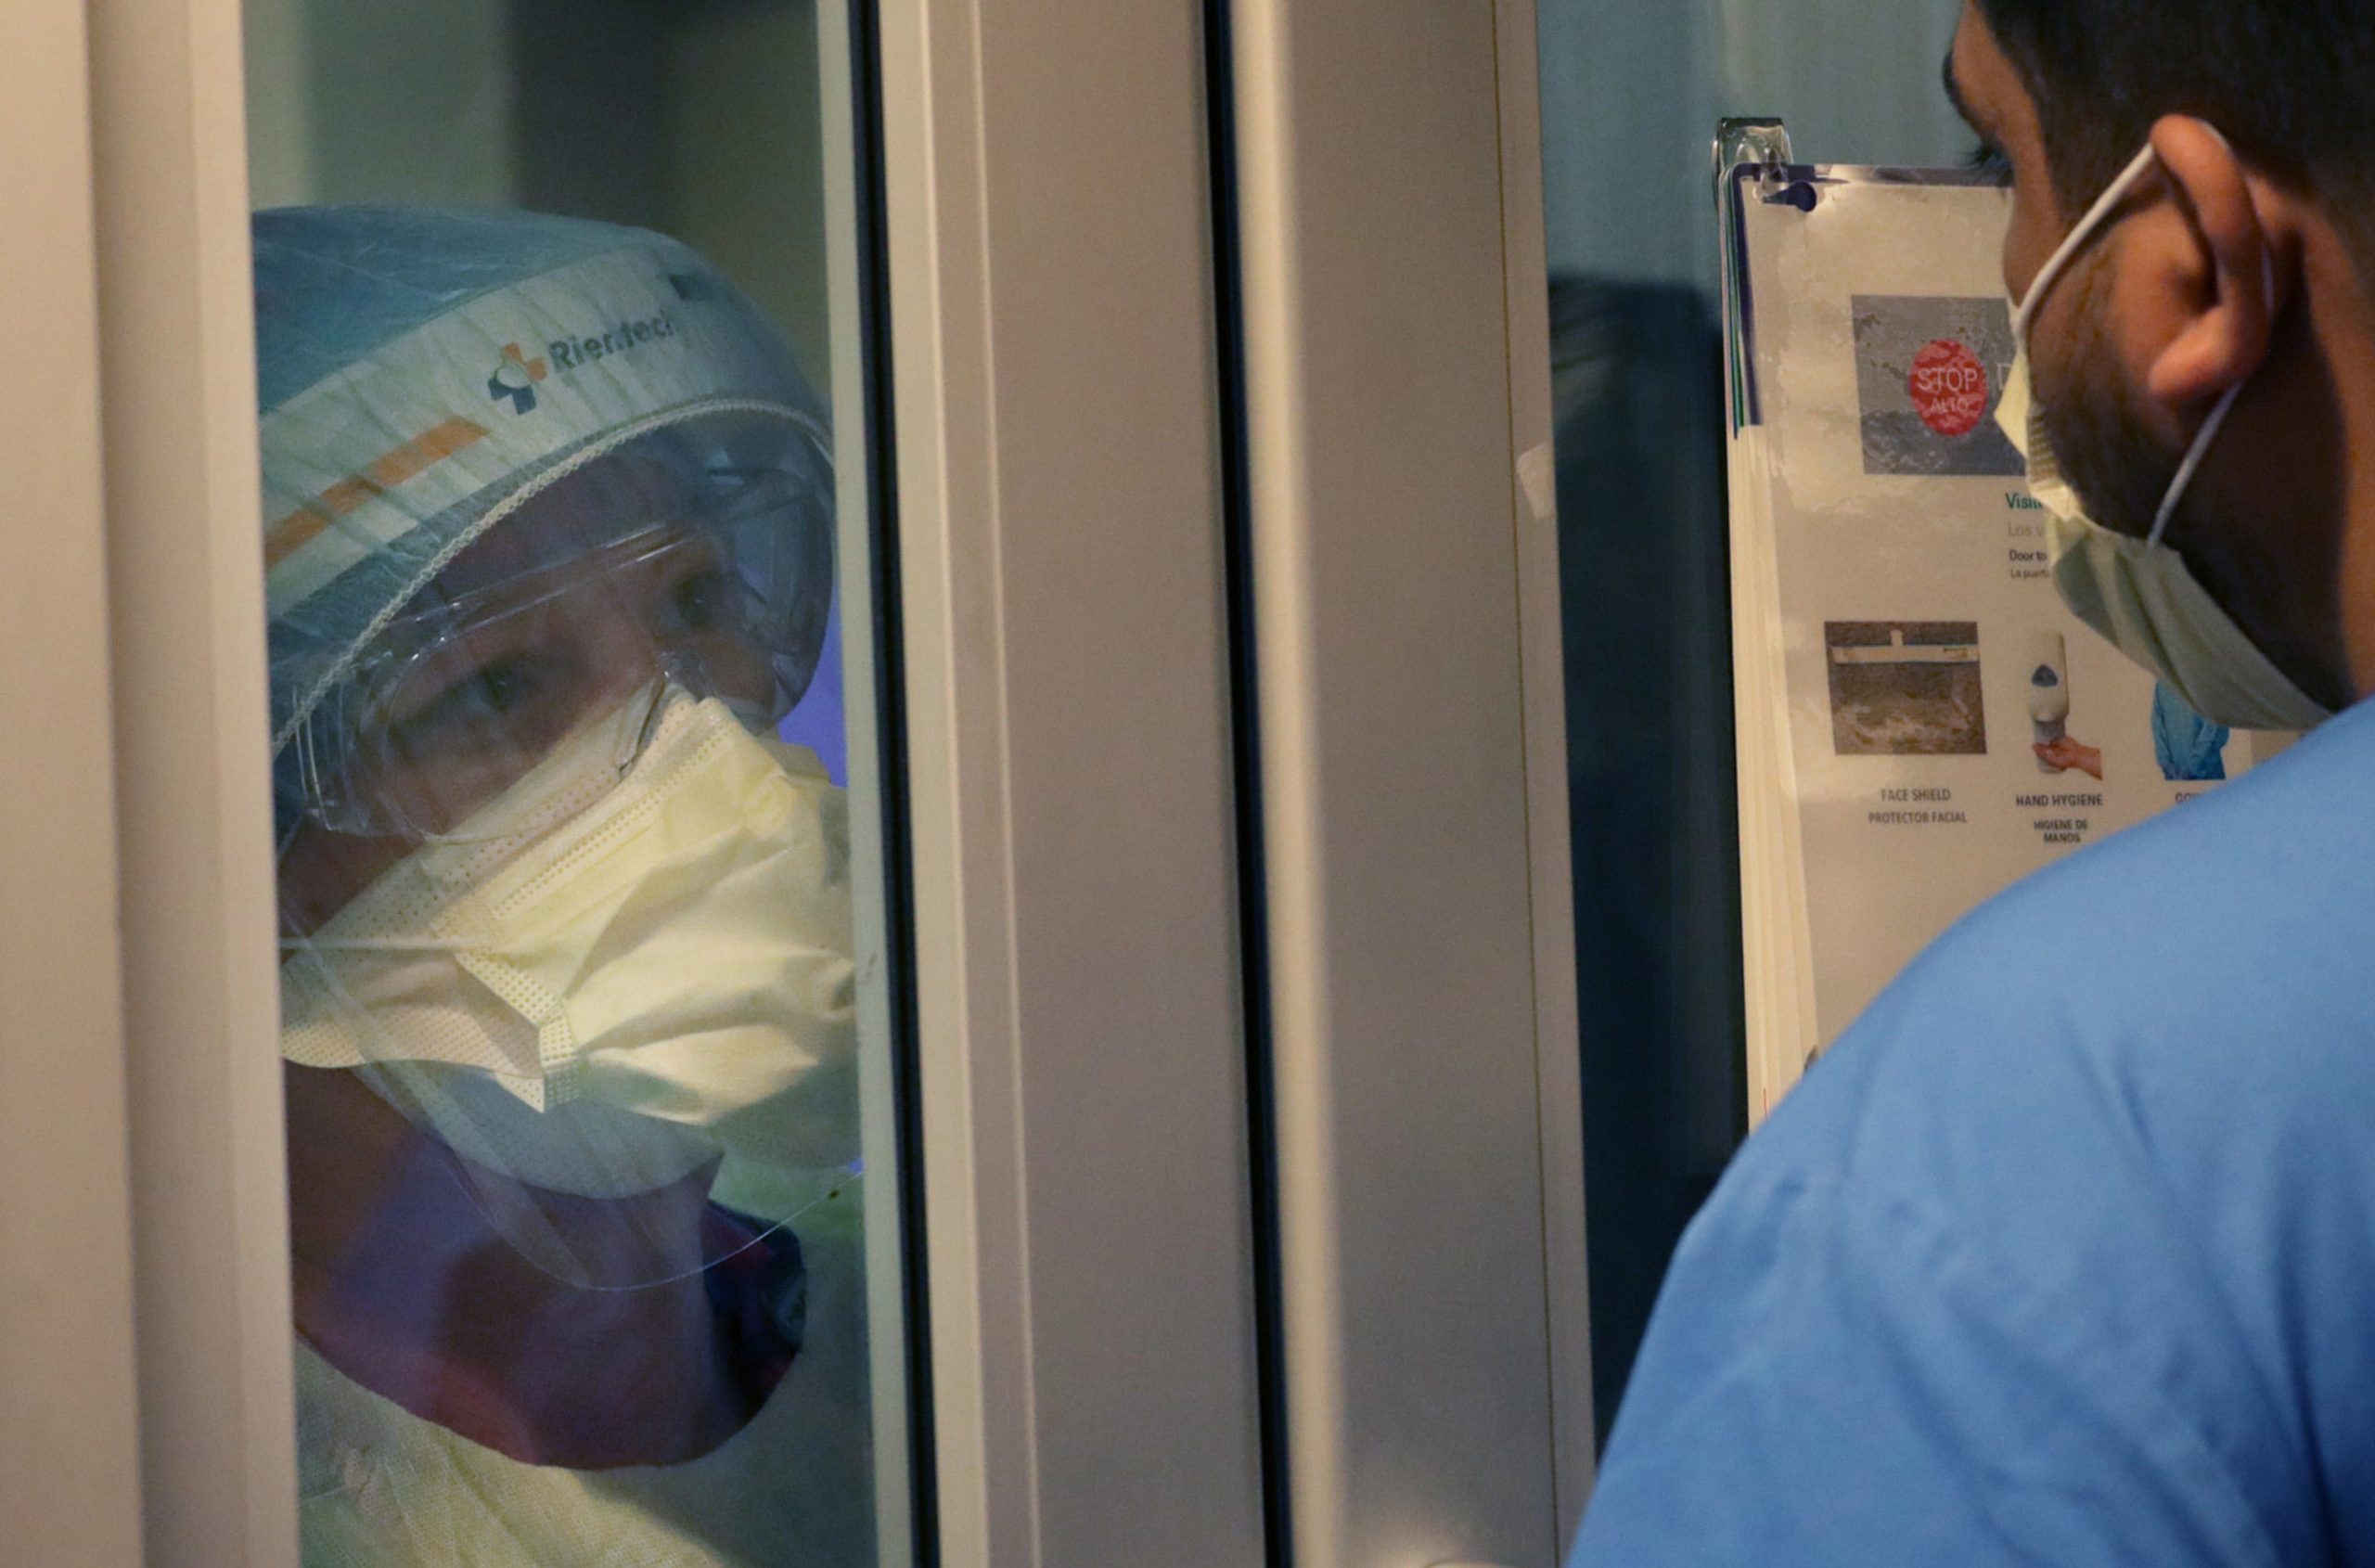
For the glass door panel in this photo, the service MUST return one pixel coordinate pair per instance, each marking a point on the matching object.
(592, 1083)
(1631, 96)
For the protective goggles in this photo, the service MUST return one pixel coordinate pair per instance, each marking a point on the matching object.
(460, 696)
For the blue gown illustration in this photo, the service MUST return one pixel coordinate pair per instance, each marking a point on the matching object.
(2191, 749)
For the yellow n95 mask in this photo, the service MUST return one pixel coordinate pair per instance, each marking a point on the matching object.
(600, 984)
(2138, 593)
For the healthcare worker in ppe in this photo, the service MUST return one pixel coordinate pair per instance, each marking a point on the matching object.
(2066, 1254)
(566, 985)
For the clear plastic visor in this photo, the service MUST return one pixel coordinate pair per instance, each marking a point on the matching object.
(629, 570)
(565, 927)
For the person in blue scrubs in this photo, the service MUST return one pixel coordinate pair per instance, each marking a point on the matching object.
(2066, 1254)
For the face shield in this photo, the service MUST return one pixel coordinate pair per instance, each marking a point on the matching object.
(551, 887)
(648, 567)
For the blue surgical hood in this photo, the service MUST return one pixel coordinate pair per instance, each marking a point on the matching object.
(422, 372)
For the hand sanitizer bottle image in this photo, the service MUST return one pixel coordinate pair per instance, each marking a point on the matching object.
(2049, 691)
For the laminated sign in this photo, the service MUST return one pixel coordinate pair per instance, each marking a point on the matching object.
(1920, 722)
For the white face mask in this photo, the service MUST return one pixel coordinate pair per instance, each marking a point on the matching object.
(2138, 592)
(655, 970)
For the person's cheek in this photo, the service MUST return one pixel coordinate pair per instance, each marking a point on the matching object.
(2025, 255)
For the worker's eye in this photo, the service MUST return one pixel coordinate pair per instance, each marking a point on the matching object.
(487, 694)
(703, 602)
(1987, 158)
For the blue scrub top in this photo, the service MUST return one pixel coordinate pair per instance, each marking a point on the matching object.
(2066, 1254)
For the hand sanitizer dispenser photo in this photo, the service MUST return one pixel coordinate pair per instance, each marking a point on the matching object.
(2049, 691)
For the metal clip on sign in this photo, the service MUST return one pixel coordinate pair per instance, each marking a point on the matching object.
(1746, 151)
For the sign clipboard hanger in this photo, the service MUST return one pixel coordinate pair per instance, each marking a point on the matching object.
(1767, 198)
(1753, 155)
(1754, 161)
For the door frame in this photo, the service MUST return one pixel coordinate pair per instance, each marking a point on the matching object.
(1085, 1140)
(1421, 959)
(1052, 296)
(1079, 974)
(68, 1399)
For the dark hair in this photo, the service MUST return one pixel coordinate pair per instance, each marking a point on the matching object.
(2288, 80)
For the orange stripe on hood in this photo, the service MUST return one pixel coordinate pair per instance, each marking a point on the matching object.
(383, 474)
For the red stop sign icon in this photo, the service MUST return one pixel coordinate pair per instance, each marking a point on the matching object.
(1949, 388)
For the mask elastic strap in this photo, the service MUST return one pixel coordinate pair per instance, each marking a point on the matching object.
(2197, 454)
(2137, 169)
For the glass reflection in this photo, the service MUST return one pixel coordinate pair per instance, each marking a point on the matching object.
(571, 1014)
(567, 990)
(1631, 96)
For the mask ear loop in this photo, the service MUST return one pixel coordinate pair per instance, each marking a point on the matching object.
(2199, 452)
(2119, 189)
(2025, 318)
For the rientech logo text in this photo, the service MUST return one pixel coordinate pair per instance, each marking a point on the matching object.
(515, 379)
(573, 354)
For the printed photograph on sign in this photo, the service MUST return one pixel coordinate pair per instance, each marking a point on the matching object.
(2189, 748)
(1905, 688)
(1928, 373)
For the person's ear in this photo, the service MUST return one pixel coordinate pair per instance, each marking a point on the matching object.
(2230, 270)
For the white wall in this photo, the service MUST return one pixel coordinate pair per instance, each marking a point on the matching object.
(363, 100)
(372, 100)
(746, 161)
